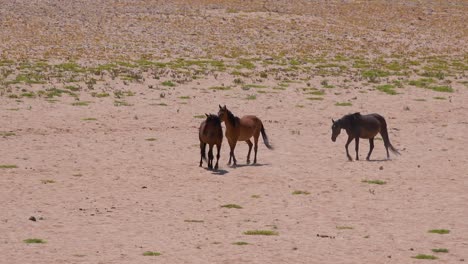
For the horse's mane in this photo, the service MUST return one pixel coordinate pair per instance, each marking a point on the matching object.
(232, 118)
(351, 116)
(349, 119)
(213, 118)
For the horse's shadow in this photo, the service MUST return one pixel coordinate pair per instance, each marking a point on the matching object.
(248, 165)
(379, 160)
(219, 172)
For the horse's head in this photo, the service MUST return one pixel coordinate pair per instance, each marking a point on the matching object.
(336, 129)
(222, 113)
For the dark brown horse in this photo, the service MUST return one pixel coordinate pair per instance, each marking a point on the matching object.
(362, 126)
(210, 133)
(242, 129)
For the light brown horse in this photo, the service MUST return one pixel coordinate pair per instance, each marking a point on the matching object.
(363, 126)
(211, 133)
(242, 129)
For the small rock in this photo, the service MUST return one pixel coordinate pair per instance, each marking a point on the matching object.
(412, 249)
(144, 187)
(32, 218)
(381, 168)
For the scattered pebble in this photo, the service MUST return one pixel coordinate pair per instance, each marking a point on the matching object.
(32, 218)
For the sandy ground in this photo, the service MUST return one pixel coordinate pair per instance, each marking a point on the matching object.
(108, 190)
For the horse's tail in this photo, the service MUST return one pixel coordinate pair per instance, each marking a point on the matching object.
(384, 133)
(265, 138)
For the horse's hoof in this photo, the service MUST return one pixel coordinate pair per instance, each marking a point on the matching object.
(248, 162)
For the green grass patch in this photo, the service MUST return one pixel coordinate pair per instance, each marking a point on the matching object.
(422, 83)
(184, 97)
(121, 103)
(8, 166)
(297, 192)
(193, 221)
(440, 250)
(423, 256)
(344, 227)
(439, 98)
(251, 97)
(168, 83)
(344, 104)
(7, 134)
(47, 181)
(81, 103)
(379, 182)
(374, 74)
(34, 241)
(200, 116)
(231, 206)
(315, 98)
(316, 92)
(89, 119)
(151, 139)
(245, 64)
(260, 233)
(387, 88)
(256, 86)
(220, 88)
(151, 253)
(256, 196)
(72, 88)
(240, 243)
(100, 95)
(439, 231)
(444, 89)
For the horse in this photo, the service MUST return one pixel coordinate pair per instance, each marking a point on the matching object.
(242, 129)
(363, 126)
(211, 133)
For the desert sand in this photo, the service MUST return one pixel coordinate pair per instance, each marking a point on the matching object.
(100, 107)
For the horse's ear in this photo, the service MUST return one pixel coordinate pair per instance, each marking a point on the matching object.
(220, 107)
(206, 115)
(224, 107)
(333, 121)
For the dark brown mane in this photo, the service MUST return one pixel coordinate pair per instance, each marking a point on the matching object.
(232, 118)
(213, 118)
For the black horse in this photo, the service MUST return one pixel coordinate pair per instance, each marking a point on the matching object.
(362, 126)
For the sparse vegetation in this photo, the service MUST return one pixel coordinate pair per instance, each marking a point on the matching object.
(261, 233)
(344, 227)
(34, 241)
(387, 88)
(297, 192)
(440, 250)
(439, 231)
(240, 243)
(230, 206)
(151, 253)
(8, 166)
(343, 104)
(423, 256)
(378, 182)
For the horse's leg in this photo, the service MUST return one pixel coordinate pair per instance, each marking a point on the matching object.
(250, 149)
(256, 147)
(371, 144)
(218, 146)
(357, 148)
(202, 152)
(232, 145)
(210, 157)
(346, 146)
